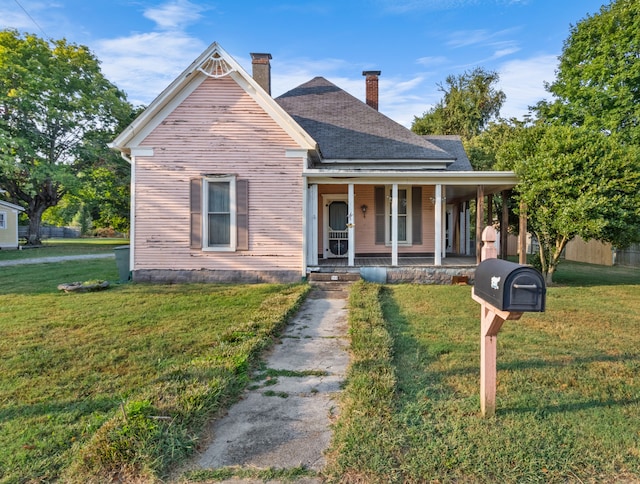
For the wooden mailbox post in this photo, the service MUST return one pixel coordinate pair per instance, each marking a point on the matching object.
(491, 322)
(505, 290)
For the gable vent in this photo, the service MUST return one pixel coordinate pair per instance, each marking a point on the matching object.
(215, 66)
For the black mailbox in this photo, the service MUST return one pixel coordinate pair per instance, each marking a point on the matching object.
(509, 286)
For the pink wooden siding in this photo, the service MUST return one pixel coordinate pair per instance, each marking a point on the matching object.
(218, 129)
(365, 224)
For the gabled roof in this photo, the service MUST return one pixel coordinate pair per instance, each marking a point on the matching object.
(213, 62)
(11, 206)
(345, 128)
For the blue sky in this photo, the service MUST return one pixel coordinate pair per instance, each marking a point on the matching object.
(144, 44)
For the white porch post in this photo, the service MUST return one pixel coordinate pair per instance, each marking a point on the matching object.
(437, 253)
(311, 220)
(444, 222)
(394, 225)
(467, 235)
(351, 252)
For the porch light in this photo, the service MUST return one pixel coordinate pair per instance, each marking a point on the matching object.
(364, 210)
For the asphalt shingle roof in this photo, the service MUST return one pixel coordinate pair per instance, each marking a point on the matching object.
(345, 128)
(452, 144)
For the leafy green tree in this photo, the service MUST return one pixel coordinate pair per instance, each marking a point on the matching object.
(598, 79)
(470, 102)
(483, 148)
(52, 97)
(575, 181)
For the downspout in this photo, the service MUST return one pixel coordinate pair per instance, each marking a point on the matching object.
(131, 211)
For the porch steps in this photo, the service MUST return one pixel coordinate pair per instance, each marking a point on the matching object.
(332, 285)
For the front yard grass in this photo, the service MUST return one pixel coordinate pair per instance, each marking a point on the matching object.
(568, 393)
(118, 383)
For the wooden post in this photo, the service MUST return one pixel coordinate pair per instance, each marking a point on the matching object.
(522, 258)
(479, 220)
(504, 226)
(490, 209)
(490, 324)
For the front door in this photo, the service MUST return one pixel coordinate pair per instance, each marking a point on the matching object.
(336, 235)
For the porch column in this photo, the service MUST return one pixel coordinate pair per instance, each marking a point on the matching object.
(394, 224)
(504, 226)
(522, 257)
(437, 253)
(351, 228)
(311, 220)
(479, 221)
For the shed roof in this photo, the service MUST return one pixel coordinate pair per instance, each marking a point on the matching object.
(345, 128)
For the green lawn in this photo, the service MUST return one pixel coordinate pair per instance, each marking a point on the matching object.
(568, 393)
(112, 384)
(120, 381)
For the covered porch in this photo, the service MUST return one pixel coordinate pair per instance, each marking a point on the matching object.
(404, 219)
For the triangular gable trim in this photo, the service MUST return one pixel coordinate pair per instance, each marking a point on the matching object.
(213, 62)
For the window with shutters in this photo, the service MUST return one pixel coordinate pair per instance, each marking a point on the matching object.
(219, 213)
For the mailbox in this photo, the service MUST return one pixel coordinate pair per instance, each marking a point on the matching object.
(509, 286)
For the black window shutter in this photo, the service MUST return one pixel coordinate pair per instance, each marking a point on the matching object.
(416, 215)
(379, 201)
(242, 214)
(196, 213)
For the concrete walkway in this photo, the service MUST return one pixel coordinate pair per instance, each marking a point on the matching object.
(286, 425)
(62, 258)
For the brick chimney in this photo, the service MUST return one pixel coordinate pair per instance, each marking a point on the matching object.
(262, 70)
(372, 88)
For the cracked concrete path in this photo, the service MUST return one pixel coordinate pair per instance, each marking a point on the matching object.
(287, 424)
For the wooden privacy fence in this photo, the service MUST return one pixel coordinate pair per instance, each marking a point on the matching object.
(629, 257)
(595, 252)
(52, 232)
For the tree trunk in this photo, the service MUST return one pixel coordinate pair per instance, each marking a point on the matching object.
(35, 221)
(548, 277)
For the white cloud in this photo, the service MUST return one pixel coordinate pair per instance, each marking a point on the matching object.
(174, 15)
(466, 38)
(143, 65)
(432, 60)
(523, 83)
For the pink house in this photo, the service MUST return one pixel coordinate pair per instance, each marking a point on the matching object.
(230, 184)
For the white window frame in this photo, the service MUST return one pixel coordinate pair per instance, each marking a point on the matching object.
(3, 219)
(408, 215)
(231, 247)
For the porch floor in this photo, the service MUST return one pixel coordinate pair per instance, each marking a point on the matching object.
(454, 261)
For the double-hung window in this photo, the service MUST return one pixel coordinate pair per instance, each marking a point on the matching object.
(3, 220)
(404, 215)
(219, 213)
